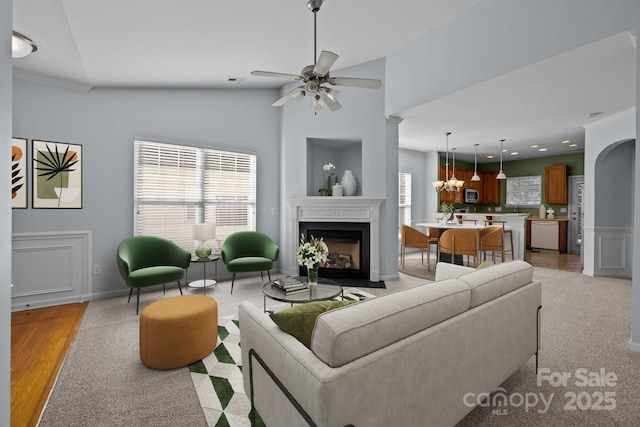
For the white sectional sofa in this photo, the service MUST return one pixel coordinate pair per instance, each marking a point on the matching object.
(407, 358)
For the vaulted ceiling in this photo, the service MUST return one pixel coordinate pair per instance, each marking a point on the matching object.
(206, 44)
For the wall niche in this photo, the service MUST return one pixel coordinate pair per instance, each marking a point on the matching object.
(344, 154)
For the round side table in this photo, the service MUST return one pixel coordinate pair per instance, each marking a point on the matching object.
(205, 283)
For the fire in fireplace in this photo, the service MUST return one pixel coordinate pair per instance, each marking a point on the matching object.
(349, 248)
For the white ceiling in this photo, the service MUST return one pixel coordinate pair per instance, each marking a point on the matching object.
(203, 43)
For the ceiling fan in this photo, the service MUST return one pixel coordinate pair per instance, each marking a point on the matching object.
(316, 76)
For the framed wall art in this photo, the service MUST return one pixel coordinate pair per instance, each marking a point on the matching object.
(56, 175)
(18, 173)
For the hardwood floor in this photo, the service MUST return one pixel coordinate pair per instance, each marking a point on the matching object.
(565, 262)
(40, 340)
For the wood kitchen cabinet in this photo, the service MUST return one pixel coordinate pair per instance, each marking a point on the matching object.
(555, 185)
(445, 196)
(490, 194)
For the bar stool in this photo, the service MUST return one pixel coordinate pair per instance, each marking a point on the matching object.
(506, 230)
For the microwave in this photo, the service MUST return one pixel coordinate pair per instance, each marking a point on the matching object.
(471, 195)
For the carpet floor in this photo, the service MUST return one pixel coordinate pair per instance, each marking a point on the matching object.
(217, 378)
(585, 330)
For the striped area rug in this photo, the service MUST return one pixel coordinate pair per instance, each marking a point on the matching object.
(218, 377)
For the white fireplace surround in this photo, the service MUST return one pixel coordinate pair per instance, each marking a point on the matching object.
(337, 209)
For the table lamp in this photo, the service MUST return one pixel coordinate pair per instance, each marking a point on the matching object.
(202, 233)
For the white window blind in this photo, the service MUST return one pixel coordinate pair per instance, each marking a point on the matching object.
(176, 186)
(404, 199)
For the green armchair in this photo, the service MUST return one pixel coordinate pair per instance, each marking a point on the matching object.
(148, 261)
(249, 251)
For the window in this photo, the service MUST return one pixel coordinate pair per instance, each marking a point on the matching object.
(404, 202)
(176, 186)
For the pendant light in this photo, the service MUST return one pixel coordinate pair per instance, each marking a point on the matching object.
(475, 176)
(501, 174)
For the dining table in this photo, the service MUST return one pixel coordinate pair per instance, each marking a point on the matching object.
(442, 226)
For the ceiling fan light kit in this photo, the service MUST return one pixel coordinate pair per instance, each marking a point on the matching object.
(316, 76)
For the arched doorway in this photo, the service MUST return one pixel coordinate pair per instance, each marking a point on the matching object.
(613, 209)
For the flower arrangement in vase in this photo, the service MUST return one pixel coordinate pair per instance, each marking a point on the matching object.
(312, 254)
(324, 191)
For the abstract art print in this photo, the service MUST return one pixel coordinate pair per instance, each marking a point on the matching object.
(18, 173)
(57, 175)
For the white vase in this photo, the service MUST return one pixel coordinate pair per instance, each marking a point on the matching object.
(336, 190)
(348, 183)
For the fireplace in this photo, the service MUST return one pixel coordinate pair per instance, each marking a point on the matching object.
(330, 214)
(349, 248)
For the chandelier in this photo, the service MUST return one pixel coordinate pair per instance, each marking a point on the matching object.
(449, 184)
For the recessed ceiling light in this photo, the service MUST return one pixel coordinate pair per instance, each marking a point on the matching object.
(535, 146)
(504, 150)
(566, 141)
(542, 149)
(573, 145)
(490, 156)
(515, 153)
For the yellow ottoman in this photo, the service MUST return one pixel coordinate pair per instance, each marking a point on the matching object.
(177, 331)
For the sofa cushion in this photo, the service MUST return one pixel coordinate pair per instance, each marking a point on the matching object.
(445, 270)
(491, 282)
(300, 319)
(342, 336)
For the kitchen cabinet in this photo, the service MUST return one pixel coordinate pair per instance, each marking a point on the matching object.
(490, 194)
(555, 185)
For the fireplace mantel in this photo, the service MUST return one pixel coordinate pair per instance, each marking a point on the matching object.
(339, 209)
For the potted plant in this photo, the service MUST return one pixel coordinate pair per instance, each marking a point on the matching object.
(447, 211)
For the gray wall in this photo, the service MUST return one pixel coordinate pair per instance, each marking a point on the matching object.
(5, 212)
(495, 37)
(360, 119)
(105, 122)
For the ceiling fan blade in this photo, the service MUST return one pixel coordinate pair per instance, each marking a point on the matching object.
(276, 75)
(324, 63)
(332, 104)
(356, 82)
(289, 95)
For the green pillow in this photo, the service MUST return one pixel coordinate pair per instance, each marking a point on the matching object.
(300, 320)
(482, 265)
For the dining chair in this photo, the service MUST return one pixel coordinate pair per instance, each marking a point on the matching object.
(460, 242)
(492, 240)
(507, 231)
(412, 238)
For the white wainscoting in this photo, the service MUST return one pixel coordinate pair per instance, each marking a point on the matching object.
(613, 252)
(50, 268)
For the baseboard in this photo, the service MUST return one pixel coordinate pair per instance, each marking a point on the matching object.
(634, 346)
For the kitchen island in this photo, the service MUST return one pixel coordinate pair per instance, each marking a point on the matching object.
(515, 221)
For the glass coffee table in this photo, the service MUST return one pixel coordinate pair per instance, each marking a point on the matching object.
(326, 289)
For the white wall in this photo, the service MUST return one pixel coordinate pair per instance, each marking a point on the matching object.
(5, 212)
(599, 136)
(105, 122)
